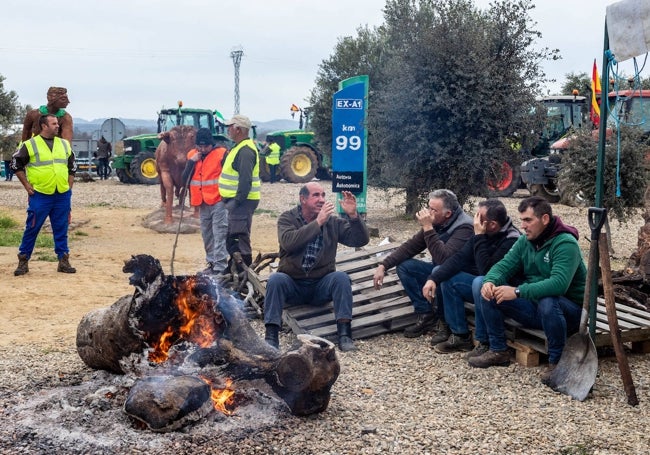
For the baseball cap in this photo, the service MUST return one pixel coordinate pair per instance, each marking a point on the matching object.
(240, 120)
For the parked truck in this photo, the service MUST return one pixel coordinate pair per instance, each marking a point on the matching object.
(138, 164)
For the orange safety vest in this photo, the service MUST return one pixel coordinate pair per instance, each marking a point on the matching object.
(204, 186)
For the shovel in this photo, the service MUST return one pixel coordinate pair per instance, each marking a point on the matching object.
(576, 371)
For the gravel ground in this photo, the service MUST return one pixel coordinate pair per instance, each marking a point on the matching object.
(394, 395)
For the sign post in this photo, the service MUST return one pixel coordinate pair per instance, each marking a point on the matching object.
(349, 139)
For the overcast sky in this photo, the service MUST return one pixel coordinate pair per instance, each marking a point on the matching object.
(127, 59)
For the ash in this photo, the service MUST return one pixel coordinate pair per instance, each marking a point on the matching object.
(81, 411)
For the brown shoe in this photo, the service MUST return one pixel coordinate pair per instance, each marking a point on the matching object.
(455, 343)
(23, 265)
(490, 359)
(546, 374)
(478, 350)
(64, 265)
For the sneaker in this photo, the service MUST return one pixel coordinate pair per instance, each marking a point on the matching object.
(424, 323)
(441, 333)
(546, 374)
(491, 359)
(455, 343)
(479, 349)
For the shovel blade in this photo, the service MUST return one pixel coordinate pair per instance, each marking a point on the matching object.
(576, 371)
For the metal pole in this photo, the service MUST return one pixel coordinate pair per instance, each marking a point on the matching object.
(600, 170)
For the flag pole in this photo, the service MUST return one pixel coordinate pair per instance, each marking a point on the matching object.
(600, 171)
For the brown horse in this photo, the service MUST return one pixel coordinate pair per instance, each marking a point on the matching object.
(171, 156)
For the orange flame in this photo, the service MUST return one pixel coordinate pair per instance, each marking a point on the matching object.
(197, 323)
(161, 348)
(222, 398)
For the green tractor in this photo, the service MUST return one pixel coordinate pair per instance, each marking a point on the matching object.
(138, 163)
(300, 159)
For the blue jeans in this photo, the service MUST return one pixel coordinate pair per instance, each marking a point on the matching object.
(456, 291)
(57, 207)
(214, 230)
(413, 273)
(282, 290)
(557, 316)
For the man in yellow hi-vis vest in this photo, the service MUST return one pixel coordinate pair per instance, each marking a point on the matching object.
(239, 185)
(45, 165)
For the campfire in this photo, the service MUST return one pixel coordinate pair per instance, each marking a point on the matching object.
(192, 350)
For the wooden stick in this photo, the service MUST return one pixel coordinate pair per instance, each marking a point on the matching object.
(612, 319)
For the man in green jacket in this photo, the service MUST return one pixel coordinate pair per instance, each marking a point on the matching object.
(308, 235)
(550, 297)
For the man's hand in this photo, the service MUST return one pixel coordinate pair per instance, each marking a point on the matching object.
(487, 291)
(196, 157)
(479, 226)
(378, 277)
(429, 290)
(325, 212)
(425, 218)
(503, 293)
(349, 204)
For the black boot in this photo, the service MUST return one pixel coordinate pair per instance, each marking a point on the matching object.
(344, 330)
(272, 335)
(424, 323)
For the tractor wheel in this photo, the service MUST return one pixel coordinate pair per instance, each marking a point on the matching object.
(504, 182)
(298, 164)
(143, 168)
(265, 173)
(548, 191)
(125, 176)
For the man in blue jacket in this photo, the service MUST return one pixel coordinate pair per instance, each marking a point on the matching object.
(461, 276)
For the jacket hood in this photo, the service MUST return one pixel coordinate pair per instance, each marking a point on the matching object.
(554, 228)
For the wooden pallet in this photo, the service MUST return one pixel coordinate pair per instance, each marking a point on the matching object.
(374, 311)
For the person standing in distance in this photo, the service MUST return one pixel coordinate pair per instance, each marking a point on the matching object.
(45, 165)
(204, 165)
(239, 186)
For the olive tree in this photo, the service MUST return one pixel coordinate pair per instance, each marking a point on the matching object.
(459, 86)
(9, 107)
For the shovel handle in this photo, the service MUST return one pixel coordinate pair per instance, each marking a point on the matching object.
(597, 217)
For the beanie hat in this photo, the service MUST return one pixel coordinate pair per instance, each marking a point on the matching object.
(204, 137)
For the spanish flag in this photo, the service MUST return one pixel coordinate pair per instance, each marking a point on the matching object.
(595, 90)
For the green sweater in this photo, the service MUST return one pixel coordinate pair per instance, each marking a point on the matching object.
(555, 269)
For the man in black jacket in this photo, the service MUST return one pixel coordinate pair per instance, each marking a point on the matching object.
(461, 276)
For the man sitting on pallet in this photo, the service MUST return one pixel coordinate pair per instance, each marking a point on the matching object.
(461, 276)
(308, 237)
(445, 228)
(550, 297)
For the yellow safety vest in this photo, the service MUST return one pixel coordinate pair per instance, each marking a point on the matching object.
(274, 156)
(229, 179)
(47, 170)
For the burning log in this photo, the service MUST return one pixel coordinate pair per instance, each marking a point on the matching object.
(188, 322)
